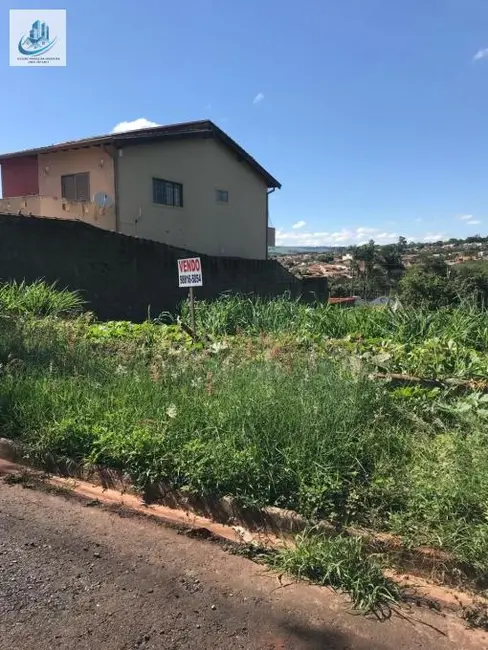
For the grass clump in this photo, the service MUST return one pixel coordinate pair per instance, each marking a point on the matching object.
(341, 563)
(38, 299)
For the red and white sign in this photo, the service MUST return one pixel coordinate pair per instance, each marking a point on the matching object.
(190, 272)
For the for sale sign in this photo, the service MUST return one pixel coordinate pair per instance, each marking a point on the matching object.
(190, 272)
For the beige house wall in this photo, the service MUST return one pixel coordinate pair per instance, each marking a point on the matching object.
(94, 160)
(49, 202)
(46, 206)
(237, 228)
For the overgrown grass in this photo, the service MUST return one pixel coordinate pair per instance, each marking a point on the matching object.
(305, 439)
(233, 314)
(447, 343)
(341, 563)
(260, 416)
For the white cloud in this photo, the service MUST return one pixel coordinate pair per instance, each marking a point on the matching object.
(433, 236)
(299, 224)
(140, 123)
(349, 237)
(259, 98)
(419, 219)
(367, 231)
(469, 220)
(481, 54)
(344, 237)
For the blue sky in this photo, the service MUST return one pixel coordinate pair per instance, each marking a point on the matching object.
(372, 113)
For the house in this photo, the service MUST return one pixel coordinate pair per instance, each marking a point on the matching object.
(188, 185)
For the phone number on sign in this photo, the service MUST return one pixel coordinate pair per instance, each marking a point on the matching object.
(195, 278)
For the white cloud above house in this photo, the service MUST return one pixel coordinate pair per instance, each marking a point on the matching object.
(473, 222)
(465, 217)
(299, 224)
(258, 98)
(481, 54)
(134, 125)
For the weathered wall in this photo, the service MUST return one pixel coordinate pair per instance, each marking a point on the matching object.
(237, 228)
(20, 176)
(94, 160)
(122, 277)
(46, 206)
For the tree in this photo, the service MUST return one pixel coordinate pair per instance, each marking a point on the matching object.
(326, 257)
(402, 244)
(390, 259)
(363, 261)
(434, 264)
(471, 281)
(423, 287)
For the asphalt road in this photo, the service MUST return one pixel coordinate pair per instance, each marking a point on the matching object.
(79, 576)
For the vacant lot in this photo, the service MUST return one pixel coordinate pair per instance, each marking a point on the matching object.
(274, 406)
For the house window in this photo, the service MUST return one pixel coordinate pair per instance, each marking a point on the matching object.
(167, 193)
(222, 196)
(76, 187)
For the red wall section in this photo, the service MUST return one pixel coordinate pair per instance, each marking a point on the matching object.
(20, 177)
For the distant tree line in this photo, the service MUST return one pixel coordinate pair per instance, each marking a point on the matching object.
(430, 282)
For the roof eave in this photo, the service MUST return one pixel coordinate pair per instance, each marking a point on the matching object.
(203, 128)
(270, 180)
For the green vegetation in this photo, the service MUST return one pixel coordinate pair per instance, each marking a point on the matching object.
(446, 343)
(239, 315)
(341, 563)
(274, 406)
(433, 284)
(38, 299)
(375, 270)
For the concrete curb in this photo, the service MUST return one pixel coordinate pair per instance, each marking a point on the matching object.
(430, 564)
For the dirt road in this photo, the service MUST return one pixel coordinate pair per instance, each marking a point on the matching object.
(74, 575)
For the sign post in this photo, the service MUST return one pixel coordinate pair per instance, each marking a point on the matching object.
(190, 275)
(192, 313)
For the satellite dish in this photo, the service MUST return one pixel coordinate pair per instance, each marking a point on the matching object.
(103, 200)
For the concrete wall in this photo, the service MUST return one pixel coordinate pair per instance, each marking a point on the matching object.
(46, 206)
(123, 277)
(236, 228)
(20, 176)
(59, 163)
